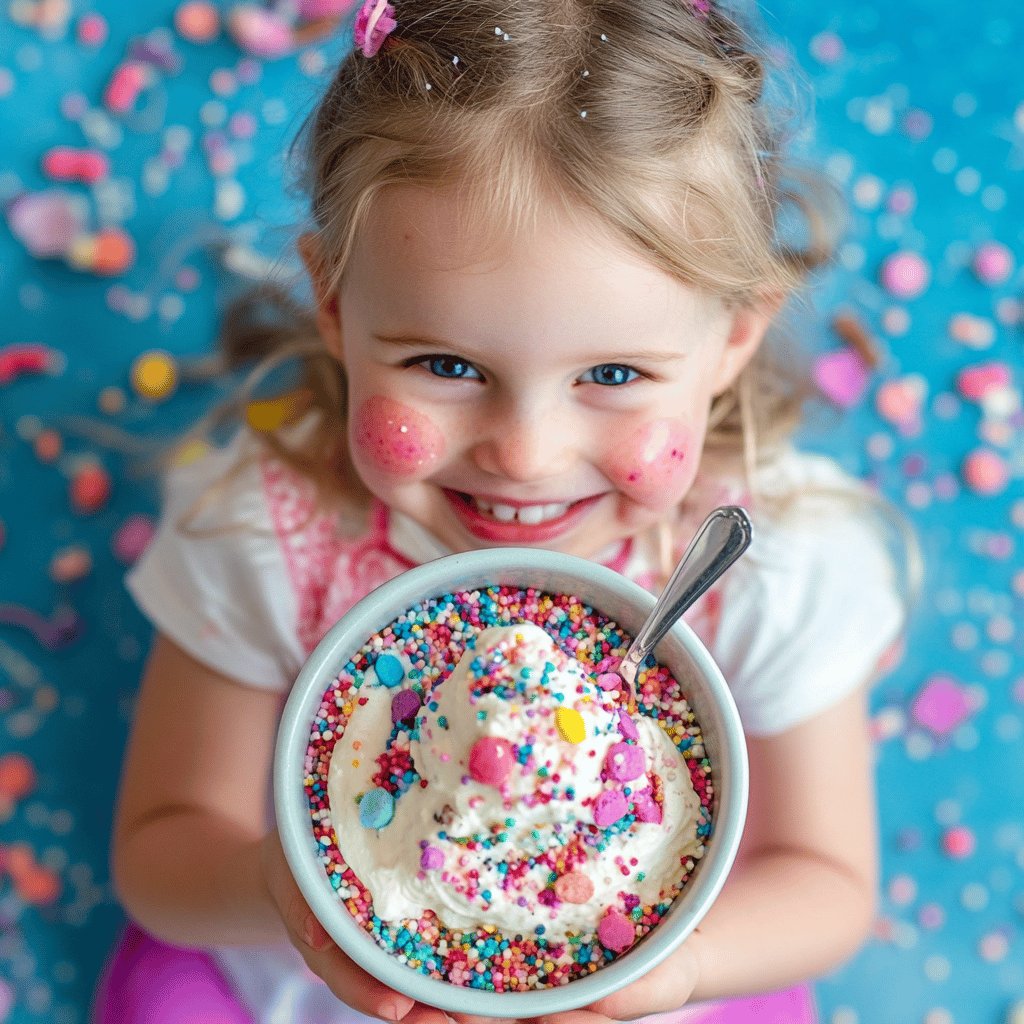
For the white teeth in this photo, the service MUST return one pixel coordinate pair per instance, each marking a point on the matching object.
(503, 513)
(529, 515)
(532, 514)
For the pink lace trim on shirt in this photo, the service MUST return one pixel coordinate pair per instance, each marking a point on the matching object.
(329, 573)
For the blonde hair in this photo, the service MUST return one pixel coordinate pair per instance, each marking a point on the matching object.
(646, 114)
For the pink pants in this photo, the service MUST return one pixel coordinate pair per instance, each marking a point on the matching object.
(149, 982)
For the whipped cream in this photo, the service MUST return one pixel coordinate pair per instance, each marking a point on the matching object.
(539, 800)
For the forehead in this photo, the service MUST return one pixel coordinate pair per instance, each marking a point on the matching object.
(423, 255)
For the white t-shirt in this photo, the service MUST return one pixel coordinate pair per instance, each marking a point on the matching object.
(802, 619)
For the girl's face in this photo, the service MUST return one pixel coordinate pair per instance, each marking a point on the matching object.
(551, 389)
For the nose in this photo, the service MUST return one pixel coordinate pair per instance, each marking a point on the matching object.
(524, 442)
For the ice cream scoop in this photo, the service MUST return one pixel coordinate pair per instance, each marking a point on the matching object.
(528, 790)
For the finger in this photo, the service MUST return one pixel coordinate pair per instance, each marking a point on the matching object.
(574, 1017)
(421, 1014)
(665, 987)
(468, 1018)
(353, 986)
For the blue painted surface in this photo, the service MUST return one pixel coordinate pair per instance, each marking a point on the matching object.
(948, 945)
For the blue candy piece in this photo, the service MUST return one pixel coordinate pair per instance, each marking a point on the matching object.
(389, 670)
(377, 808)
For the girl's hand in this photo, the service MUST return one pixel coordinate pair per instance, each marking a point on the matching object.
(667, 987)
(349, 982)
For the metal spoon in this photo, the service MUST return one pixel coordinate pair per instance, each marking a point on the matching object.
(721, 539)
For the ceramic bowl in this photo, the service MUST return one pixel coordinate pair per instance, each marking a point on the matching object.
(606, 592)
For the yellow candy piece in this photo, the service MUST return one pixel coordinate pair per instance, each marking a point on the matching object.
(191, 451)
(266, 415)
(154, 375)
(570, 725)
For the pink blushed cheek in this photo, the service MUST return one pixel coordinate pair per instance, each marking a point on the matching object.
(397, 439)
(653, 465)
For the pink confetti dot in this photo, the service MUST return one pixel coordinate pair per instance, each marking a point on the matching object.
(198, 22)
(941, 706)
(958, 842)
(905, 275)
(490, 761)
(574, 887)
(625, 762)
(609, 807)
(92, 30)
(616, 931)
(975, 382)
(993, 263)
(841, 376)
(985, 472)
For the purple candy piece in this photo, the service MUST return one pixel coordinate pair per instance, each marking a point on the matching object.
(431, 859)
(627, 727)
(646, 808)
(404, 705)
(624, 762)
(609, 807)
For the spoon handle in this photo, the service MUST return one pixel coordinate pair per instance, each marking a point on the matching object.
(721, 539)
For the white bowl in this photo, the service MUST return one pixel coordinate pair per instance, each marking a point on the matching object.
(609, 594)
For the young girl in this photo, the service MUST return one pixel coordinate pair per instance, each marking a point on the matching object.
(545, 260)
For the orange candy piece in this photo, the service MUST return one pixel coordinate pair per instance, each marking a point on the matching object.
(17, 776)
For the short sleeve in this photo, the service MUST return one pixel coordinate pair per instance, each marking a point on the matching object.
(217, 584)
(807, 616)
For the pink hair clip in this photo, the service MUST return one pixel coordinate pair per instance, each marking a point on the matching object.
(702, 8)
(374, 23)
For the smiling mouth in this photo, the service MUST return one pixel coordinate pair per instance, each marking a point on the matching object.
(521, 514)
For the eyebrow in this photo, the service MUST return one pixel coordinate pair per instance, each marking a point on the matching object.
(438, 345)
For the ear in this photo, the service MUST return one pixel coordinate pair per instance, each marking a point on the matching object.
(746, 332)
(328, 317)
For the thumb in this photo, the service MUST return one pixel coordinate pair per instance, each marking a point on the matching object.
(301, 923)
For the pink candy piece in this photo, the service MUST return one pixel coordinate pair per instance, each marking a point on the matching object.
(132, 538)
(46, 223)
(431, 858)
(899, 401)
(646, 808)
(958, 842)
(985, 472)
(92, 30)
(616, 931)
(627, 727)
(490, 760)
(125, 85)
(941, 706)
(609, 681)
(905, 275)
(625, 762)
(574, 887)
(993, 263)
(64, 163)
(197, 21)
(260, 32)
(609, 807)
(842, 377)
(975, 382)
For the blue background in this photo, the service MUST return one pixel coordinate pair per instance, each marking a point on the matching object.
(948, 943)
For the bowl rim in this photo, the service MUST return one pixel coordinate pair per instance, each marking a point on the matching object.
(376, 610)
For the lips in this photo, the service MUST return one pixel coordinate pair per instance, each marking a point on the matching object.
(506, 522)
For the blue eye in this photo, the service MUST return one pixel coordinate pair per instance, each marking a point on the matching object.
(611, 374)
(450, 367)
